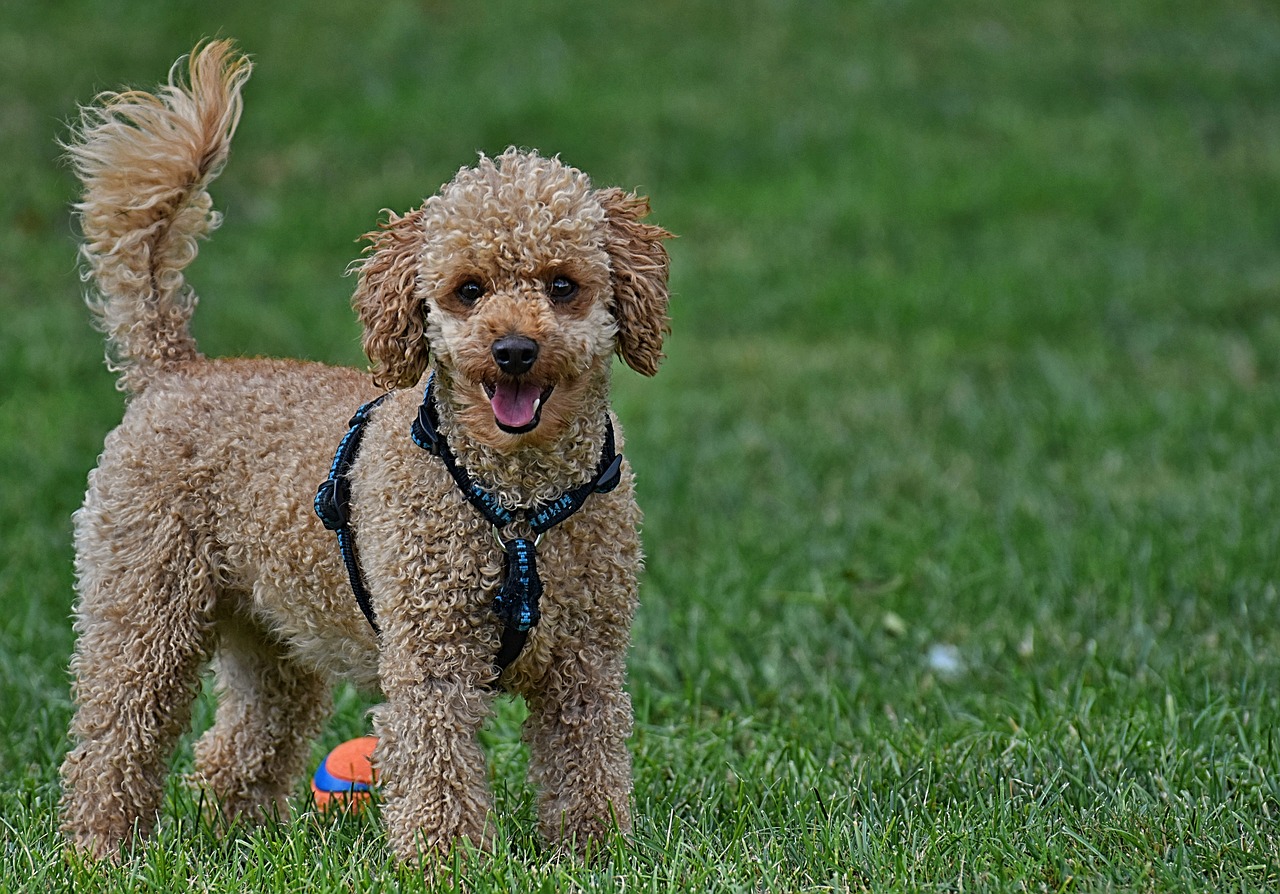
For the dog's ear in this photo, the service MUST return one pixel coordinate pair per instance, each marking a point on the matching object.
(639, 265)
(389, 304)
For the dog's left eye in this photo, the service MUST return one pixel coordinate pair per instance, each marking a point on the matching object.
(562, 288)
(469, 292)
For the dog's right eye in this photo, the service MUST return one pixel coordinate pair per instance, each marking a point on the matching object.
(469, 292)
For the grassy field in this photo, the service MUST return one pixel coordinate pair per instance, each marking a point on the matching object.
(962, 480)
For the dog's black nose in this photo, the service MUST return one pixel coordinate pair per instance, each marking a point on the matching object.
(515, 354)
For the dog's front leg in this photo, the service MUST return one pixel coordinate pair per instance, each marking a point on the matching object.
(577, 733)
(431, 767)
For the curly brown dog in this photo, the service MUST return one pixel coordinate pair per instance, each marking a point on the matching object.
(511, 289)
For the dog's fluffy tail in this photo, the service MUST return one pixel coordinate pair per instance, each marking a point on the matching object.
(146, 161)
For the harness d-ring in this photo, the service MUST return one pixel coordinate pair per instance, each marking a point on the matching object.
(497, 536)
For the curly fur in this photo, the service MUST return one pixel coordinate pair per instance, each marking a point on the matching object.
(197, 543)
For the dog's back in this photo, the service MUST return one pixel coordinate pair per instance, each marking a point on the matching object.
(223, 452)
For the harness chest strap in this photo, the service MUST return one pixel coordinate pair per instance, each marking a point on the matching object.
(516, 602)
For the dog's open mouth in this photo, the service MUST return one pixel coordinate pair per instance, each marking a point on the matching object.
(517, 406)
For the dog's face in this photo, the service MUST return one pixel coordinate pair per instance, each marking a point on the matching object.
(516, 285)
(522, 280)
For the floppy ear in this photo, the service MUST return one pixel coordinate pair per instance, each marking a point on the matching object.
(389, 304)
(639, 265)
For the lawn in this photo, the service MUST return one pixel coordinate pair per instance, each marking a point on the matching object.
(961, 481)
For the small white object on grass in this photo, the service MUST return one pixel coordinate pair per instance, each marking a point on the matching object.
(944, 660)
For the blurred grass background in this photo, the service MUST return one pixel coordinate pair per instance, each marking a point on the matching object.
(960, 480)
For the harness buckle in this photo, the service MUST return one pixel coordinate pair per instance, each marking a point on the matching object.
(424, 432)
(332, 499)
(609, 478)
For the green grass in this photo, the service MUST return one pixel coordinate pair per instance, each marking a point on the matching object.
(960, 481)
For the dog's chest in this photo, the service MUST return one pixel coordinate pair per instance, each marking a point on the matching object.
(435, 564)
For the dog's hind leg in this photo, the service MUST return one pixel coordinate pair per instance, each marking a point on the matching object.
(270, 709)
(144, 618)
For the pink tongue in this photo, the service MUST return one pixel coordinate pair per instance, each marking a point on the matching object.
(515, 405)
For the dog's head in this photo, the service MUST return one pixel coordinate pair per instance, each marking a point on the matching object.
(522, 281)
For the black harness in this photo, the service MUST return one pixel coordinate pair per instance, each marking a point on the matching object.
(516, 602)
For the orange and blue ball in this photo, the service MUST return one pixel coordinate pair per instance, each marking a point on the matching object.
(346, 778)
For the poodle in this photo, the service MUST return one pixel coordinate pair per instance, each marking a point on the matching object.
(509, 292)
